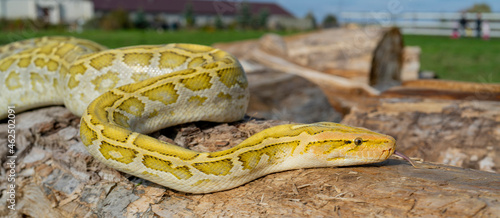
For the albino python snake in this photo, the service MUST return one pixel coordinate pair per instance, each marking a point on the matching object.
(122, 94)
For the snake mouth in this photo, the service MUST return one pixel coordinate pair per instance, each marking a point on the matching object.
(379, 157)
(385, 154)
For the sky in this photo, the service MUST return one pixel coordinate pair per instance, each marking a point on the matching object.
(320, 8)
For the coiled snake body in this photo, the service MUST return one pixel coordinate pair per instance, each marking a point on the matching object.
(121, 94)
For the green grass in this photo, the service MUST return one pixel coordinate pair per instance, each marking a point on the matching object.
(114, 39)
(465, 59)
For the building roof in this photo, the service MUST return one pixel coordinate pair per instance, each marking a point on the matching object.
(222, 7)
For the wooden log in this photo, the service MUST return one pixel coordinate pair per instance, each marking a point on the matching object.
(371, 55)
(56, 177)
(342, 62)
(274, 95)
(385, 70)
(411, 63)
(345, 52)
(445, 89)
(464, 133)
(342, 93)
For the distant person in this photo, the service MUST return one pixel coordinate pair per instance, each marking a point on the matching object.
(486, 30)
(463, 24)
(478, 25)
(455, 34)
(175, 26)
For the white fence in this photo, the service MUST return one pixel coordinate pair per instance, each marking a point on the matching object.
(420, 23)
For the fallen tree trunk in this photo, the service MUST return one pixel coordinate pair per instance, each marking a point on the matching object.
(445, 89)
(274, 95)
(342, 93)
(56, 177)
(371, 55)
(345, 63)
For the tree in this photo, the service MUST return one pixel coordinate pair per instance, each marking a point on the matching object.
(140, 21)
(189, 14)
(218, 23)
(117, 19)
(330, 21)
(310, 16)
(254, 22)
(262, 18)
(259, 21)
(479, 8)
(244, 15)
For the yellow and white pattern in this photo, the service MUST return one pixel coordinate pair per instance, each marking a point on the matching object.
(122, 94)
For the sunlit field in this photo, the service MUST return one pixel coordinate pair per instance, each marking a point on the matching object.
(114, 39)
(465, 59)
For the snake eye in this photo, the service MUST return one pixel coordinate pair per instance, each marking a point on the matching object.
(358, 141)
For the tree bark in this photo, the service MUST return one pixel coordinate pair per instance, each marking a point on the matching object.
(56, 177)
(464, 133)
(445, 89)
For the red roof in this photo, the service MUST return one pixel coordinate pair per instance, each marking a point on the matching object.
(222, 7)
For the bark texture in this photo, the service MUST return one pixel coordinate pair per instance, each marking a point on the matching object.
(57, 178)
(454, 132)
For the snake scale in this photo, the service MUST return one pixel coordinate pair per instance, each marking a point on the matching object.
(122, 94)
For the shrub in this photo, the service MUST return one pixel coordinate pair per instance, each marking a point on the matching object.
(117, 19)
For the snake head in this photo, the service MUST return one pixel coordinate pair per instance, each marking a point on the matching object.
(341, 145)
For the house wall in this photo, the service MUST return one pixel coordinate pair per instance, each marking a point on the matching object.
(72, 11)
(53, 7)
(168, 18)
(280, 22)
(12, 9)
(59, 11)
(274, 21)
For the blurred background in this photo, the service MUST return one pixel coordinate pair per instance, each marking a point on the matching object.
(116, 23)
(423, 71)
